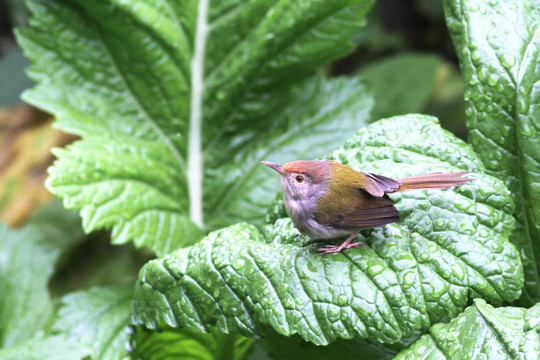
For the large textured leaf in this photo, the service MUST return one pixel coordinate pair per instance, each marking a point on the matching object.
(26, 264)
(498, 44)
(481, 332)
(183, 344)
(450, 246)
(48, 348)
(177, 101)
(27, 259)
(98, 319)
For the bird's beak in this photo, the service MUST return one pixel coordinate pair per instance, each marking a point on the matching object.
(276, 167)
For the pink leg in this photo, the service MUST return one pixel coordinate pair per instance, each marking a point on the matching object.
(330, 249)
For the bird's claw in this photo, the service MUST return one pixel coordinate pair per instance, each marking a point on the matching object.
(332, 249)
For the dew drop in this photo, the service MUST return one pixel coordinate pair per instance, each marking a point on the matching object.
(493, 79)
(239, 264)
(508, 61)
(524, 90)
(375, 269)
(334, 312)
(288, 303)
(526, 130)
(342, 299)
(522, 105)
(462, 204)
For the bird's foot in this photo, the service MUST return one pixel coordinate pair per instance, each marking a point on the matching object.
(332, 249)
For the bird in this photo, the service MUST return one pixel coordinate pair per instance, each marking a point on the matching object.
(327, 200)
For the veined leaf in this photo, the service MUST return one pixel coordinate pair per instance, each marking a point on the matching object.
(27, 259)
(177, 101)
(26, 264)
(498, 44)
(48, 348)
(98, 319)
(481, 332)
(183, 344)
(449, 246)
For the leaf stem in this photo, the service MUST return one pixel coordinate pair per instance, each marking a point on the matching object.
(196, 117)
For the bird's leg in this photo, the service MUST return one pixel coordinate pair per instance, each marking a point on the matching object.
(330, 249)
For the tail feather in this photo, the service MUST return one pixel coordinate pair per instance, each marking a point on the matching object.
(434, 181)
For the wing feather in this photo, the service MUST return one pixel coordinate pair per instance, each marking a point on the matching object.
(381, 211)
(378, 185)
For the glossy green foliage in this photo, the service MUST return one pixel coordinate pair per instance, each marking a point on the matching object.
(481, 332)
(177, 101)
(449, 246)
(183, 344)
(498, 44)
(98, 319)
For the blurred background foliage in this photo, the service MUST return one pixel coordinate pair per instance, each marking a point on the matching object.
(404, 55)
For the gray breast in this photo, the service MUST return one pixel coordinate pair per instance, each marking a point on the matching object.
(301, 213)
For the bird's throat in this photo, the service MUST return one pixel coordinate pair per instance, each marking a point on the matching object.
(301, 212)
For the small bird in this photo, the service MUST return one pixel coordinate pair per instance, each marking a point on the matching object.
(327, 200)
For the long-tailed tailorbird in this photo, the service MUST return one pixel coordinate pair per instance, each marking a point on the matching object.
(327, 200)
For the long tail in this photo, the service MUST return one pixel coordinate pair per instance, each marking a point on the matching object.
(434, 181)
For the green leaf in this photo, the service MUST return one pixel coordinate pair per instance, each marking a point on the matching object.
(97, 318)
(450, 246)
(177, 101)
(26, 264)
(294, 348)
(48, 348)
(498, 44)
(481, 332)
(172, 345)
(58, 227)
(401, 84)
(27, 259)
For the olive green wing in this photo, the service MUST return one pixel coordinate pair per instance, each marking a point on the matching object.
(367, 212)
(374, 184)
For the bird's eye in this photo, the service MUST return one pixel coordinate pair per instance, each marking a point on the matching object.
(299, 178)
